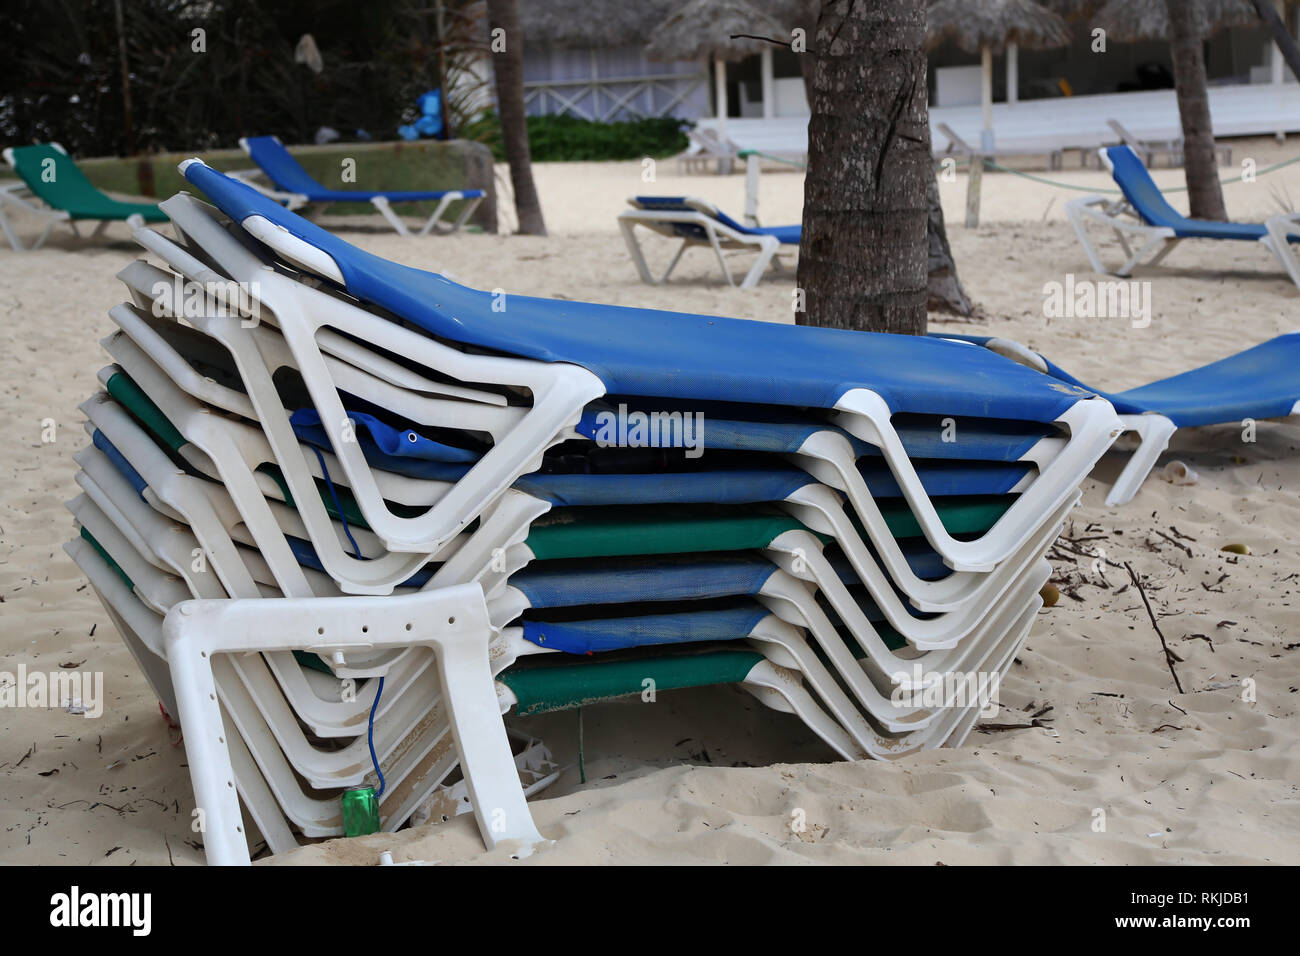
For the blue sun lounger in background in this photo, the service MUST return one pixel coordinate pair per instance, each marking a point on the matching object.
(699, 223)
(1145, 216)
(297, 187)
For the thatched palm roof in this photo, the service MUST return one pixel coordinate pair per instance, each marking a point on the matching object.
(703, 28)
(975, 24)
(1130, 20)
(588, 25)
(1073, 9)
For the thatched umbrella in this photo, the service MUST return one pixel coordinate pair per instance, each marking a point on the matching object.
(704, 28)
(994, 25)
(1131, 20)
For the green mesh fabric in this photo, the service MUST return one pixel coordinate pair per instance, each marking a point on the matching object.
(108, 559)
(135, 401)
(613, 532)
(550, 685)
(59, 183)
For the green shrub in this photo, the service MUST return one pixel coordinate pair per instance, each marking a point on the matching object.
(569, 139)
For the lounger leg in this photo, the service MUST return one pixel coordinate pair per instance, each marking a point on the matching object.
(677, 257)
(486, 758)
(1089, 247)
(436, 216)
(453, 622)
(11, 234)
(465, 213)
(634, 250)
(470, 206)
(1154, 432)
(394, 220)
(99, 229)
(766, 251)
(1279, 228)
(1164, 244)
(717, 251)
(211, 772)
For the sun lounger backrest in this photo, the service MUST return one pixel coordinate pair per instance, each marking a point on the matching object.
(1140, 189)
(56, 180)
(689, 204)
(279, 165)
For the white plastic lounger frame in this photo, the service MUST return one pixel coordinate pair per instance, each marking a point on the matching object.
(267, 783)
(197, 503)
(400, 710)
(824, 446)
(1280, 228)
(1091, 422)
(452, 622)
(16, 196)
(118, 602)
(381, 203)
(719, 235)
(559, 391)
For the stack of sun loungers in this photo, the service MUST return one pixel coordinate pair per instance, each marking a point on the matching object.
(407, 508)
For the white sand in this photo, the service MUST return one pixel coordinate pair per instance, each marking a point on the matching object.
(1202, 777)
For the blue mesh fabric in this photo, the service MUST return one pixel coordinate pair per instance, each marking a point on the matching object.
(378, 438)
(588, 637)
(679, 579)
(119, 461)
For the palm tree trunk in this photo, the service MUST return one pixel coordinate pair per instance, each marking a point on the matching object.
(945, 291)
(863, 258)
(1281, 36)
(508, 68)
(1204, 193)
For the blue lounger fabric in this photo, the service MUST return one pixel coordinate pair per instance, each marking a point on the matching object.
(673, 354)
(1261, 382)
(1149, 202)
(786, 235)
(288, 175)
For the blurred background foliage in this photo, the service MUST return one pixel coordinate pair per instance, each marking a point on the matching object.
(60, 70)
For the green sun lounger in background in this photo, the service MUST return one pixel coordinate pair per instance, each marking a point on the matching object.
(63, 193)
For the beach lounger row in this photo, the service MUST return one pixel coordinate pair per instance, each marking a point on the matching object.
(359, 528)
(53, 189)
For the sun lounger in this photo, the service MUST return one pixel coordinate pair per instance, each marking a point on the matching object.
(699, 223)
(56, 191)
(296, 187)
(1155, 227)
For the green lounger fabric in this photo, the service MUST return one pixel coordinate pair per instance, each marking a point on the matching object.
(69, 190)
(561, 683)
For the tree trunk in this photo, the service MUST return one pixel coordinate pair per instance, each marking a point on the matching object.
(863, 258)
(1186, 42)
(1277, 26)
(945, 291)
(508, 68)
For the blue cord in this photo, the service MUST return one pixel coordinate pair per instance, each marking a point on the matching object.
(370, 739)
(338, 505)
(370, 729)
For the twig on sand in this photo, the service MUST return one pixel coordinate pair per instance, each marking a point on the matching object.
(997, 728)
(1170, 656)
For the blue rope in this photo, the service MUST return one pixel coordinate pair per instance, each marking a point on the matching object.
(370, 739)
(338, 505)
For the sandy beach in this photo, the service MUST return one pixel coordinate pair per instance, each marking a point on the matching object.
(1123, 767)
